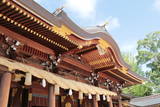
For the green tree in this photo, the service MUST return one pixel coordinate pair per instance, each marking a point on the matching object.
(131, 60)
(149, 57)
(140, 89)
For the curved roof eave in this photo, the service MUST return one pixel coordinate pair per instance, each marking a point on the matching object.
(91, 34)
(63, 19)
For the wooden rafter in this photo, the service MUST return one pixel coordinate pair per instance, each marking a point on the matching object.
(21, 18)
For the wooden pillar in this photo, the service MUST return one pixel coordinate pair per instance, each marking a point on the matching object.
(95, 102)
(119, 102)
(5, 84)
(110, 102)
(51, 97)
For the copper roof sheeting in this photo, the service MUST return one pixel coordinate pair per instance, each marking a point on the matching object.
(55, 79)
(148, 101)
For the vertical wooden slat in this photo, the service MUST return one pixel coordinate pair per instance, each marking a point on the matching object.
(5, 84)
(110, 103)
(95, 102)
(25, 94)
(16, 101)
(119, 102)
(51, 97)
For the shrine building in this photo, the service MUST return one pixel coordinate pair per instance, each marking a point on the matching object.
(46, 60)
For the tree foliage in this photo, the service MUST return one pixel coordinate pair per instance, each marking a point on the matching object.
(147, 63)
(149, 57)
(131, 60)
(140, 89)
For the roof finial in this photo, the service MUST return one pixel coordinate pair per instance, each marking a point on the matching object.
(58, 11)
(103, 26)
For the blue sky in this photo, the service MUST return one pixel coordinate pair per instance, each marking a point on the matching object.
(129, 20)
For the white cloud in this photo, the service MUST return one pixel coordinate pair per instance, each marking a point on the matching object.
(156, 5)
(83, 8)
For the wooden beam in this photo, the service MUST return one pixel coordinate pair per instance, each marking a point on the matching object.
(118, 76)
(5, 84)
(86, 50)
(104, 69)
(51, 96)
(24, 40)
(3, 68)
(77, 65)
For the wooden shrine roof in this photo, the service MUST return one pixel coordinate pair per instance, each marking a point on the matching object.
(147, 101)
(61, 34)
